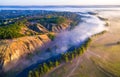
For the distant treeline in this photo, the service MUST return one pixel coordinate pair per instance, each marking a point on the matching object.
(10, 16)
(12, 30)
(49, 19)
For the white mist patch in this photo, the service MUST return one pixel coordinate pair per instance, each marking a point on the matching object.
(91, 25)
(109, 14)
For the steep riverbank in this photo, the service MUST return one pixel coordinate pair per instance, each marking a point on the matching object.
(26, 37)
(21, 47)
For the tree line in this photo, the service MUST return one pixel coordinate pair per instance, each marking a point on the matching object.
(12, 30)
(48, 65)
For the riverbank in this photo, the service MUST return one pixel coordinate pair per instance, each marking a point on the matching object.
(102, 57)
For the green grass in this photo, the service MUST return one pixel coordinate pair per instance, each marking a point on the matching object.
(110, 53)
(112, 63)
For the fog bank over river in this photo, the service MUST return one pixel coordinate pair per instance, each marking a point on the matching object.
(89, 25)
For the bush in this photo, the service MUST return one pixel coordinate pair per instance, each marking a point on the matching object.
(51, 36)
(118, 42)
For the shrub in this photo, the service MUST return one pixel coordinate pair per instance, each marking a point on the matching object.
(51, 36)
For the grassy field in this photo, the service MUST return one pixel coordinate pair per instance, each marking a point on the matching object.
(109, 48)
(102, 59)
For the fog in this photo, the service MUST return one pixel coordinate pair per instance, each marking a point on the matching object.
(68, 9)
(89, 26)
(64, 40)
(109, 14)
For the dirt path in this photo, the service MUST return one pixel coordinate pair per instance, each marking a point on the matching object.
(47, 75)
(77, 64)
(98, 66)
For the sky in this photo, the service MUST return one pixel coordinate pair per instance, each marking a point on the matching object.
(59, 2)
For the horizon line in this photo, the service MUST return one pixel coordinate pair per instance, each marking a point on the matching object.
(61, 5)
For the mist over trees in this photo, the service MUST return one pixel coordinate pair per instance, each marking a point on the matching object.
(48, 65)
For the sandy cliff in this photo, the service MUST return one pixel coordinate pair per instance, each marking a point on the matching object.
(17, 48)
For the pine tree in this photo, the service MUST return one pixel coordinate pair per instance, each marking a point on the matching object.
(30, 74)
(51, 65)
(66, 58)
(72, 56)
(45, 67)
(37, 74)
(56, 63)
(41, 70)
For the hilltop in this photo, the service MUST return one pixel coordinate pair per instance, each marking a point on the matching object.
(24, 34)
